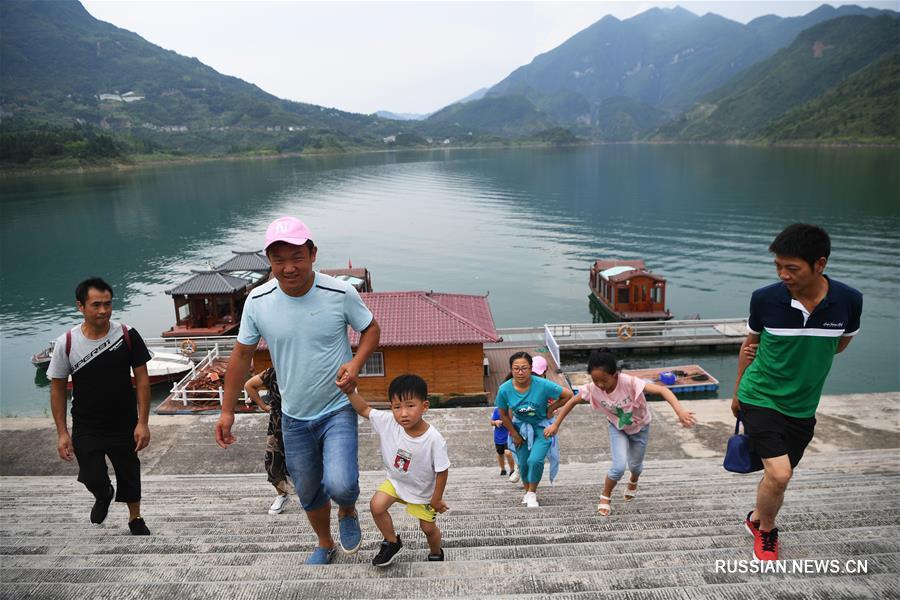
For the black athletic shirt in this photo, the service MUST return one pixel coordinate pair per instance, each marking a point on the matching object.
(103, 397)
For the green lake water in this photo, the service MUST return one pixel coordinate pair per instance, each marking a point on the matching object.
(521, 224)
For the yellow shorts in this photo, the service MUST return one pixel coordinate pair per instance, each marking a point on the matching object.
(423, 512)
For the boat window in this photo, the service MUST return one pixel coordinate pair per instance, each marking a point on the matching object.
(624, 296)
(656, 295)
(184, 312)
(374, 366)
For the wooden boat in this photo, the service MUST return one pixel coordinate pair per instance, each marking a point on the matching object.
(211, 301)
(625, 290)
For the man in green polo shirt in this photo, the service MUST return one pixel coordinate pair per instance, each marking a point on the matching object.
(796, 326)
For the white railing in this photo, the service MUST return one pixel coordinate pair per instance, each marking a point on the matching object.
(552, 346)
(202, 344)
(631, 334)
(181, 393)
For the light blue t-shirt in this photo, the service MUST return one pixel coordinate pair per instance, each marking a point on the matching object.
(530, 407)
(307, 338)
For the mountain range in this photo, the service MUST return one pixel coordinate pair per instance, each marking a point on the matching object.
(622, 79)
(70, 83)
(820, 58)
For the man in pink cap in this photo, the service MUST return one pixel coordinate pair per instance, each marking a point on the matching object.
(303, 315)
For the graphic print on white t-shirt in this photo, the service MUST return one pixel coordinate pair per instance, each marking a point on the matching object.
(402, 460)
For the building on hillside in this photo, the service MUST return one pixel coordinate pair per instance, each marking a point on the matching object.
(132, 97)
(439, 337)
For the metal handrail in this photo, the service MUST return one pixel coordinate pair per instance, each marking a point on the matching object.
(640, 333)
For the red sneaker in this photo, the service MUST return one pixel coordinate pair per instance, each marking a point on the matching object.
(765, 546)
(752, 526)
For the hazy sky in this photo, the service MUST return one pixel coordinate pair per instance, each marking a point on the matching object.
(397, 56)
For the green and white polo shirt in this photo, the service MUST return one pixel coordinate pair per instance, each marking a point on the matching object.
(796, 348)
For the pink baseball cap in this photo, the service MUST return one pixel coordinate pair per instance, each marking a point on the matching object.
(538, 365)
(287, 229)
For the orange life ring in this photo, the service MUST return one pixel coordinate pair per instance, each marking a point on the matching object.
(625, 332)
(188, 347)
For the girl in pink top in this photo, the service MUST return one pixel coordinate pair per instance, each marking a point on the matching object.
(620, 398)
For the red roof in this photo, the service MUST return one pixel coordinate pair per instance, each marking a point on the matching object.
(430, 319)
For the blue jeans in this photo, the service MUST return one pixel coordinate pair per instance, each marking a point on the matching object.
(321, 457)
(531, 462)
(627, 448)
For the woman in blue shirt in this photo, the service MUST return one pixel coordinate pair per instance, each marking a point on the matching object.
(523, 404)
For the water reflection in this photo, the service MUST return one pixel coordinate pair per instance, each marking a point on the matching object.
(524, 225)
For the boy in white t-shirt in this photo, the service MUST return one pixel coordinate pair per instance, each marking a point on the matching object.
(416, 463)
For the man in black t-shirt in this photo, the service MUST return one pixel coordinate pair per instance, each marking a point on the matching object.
(108, 417)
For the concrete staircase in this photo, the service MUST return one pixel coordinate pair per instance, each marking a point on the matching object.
(212, 538)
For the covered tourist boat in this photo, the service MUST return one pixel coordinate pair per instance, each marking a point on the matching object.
(211, 301)
(625, 290)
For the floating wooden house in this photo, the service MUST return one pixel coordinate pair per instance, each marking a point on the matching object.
(210, 302)
(439, 337)
(625, 290)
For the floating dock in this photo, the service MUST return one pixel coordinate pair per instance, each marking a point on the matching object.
(549, 340)
(689, 379)
(703, 334)
(201, 390)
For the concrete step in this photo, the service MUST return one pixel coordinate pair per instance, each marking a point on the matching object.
(862, 538)
(879, 553)
(213, 539)
(640, 583)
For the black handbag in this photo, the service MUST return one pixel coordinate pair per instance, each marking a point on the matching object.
(739, 458)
